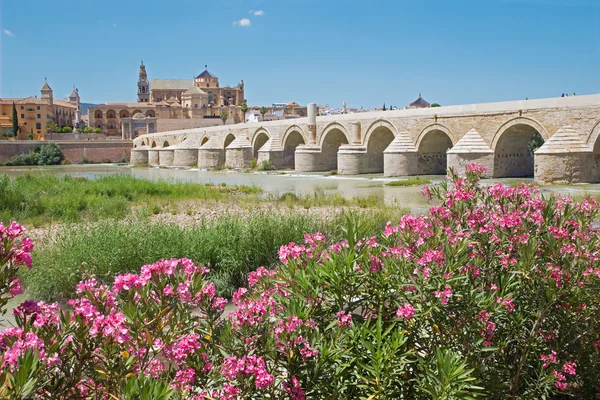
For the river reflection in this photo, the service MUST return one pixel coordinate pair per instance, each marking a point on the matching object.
(289, 181)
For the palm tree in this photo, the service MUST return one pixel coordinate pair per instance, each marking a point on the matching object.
(263, 111)
(244, 108)
(223, 117)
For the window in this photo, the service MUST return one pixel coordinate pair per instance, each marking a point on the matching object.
(22, 107)
(39, 115)
(38, 107)
(22, 115)
(38, 126)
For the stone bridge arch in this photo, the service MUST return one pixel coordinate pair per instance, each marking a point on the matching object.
(593, 139)
(379, 136)
(334, 135)
(293, 137)
(203, 140)
(432, 144)
(259, 138)
(230, 137)
(512, 156)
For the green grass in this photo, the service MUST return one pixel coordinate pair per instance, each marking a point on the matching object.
(409, 182)
(42, 199)
(231, 247)
(320, 199)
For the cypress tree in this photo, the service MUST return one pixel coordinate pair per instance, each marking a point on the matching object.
(15, 121)
(384, 109)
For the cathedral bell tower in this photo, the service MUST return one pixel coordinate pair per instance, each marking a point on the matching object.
(143, 85)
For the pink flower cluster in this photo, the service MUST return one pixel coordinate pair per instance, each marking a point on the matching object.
(248, 365)
(406, 311)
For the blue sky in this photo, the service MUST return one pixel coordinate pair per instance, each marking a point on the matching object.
(364, 52)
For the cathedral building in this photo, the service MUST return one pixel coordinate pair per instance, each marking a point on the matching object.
(198, 98)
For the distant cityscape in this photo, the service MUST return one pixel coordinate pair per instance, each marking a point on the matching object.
(162, 105)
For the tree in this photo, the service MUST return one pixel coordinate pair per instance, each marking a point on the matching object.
(263, 111)
(384, 109)
(50, 154)
(30, 136)
(223, 117)
(435, 105)
(244, 108)
(15, 121)
(51, 126)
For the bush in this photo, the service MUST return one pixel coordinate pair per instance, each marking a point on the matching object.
(50, 154)
(67, 129)
(494, 292)
(23, 159)
(267, 165)
(87, 129)
(97, 130)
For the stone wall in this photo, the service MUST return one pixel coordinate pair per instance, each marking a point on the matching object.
(75, 136)
(96, 151)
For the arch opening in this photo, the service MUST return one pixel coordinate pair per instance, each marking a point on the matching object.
(431, 156)
(111, 114)
(329, 149)
(259, 142)
(150, 113)
(153, 144)
(204, 140)
(378, 141)
(165, 144)
(228, 139)
(514, 152)
(97, 114)
(123, 114)
(293, 140)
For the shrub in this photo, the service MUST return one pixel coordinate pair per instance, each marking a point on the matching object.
(29, 158)
(253, 163)
(67, 129)
(493, 292)
(267, 165)
(50, 154)
(87, 129)
(97, 130)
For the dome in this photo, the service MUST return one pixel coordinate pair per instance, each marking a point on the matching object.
(420, 102)
(138, 116)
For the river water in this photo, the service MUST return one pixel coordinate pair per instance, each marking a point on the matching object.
(275, 183)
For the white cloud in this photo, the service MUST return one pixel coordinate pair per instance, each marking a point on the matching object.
(244, 23)
(258, 13)
(9, 33)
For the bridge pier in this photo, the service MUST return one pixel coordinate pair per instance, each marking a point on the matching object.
(186, 154)
(565, 157)
(471, 148)
(139, 155)
(352, 159)
(153, 157)
(239, 153)
(271, 154)
(165, 156)
(307, 158)
(400, 158)
(211, 154)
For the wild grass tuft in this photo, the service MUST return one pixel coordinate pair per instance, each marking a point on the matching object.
(231, 247)
(410, 182)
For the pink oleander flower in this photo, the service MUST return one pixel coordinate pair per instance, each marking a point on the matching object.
(444, 295)
(15, 288)
(569, 367)
(407, 311)
(344, 319)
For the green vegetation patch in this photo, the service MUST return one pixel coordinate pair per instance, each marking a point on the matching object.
(410, 182)
(231, 247)
(41, 199)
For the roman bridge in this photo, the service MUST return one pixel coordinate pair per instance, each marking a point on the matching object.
(402, 142)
